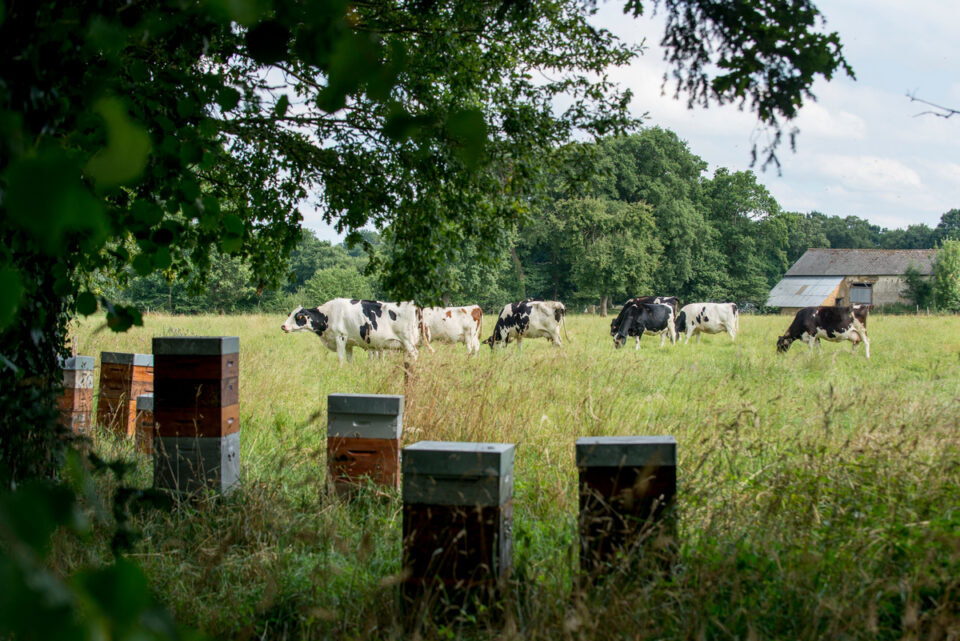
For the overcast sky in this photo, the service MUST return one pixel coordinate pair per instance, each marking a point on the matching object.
(863, 149)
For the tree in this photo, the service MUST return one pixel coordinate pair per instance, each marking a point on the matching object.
(919, 289)
(946, 276)
(949, 226)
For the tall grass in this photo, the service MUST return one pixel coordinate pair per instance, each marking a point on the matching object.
(819, 493)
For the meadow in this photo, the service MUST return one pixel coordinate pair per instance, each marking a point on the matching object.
(819, 494)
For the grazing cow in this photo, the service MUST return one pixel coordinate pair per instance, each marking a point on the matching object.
(672, 301)
(637, 318)
(529, 319)
(830, 323)
(454, 325)
(708, 318)
(343, 324)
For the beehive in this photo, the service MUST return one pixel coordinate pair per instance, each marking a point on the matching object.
(196, 412)
(457, 517)
(363, 439)
(76, 401)
(627, 490)
(145, 424)
(123, 377)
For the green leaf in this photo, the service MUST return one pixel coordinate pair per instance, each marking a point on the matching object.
(469, 130)
(146, 212)
(233, 224)
(142, 264)
(34, 511)
(128, 146)
(121, 318)
(231, 244)
(11, 292)
(280, 110)
(86, 303)
(161, 258)
(228, 98)
(267, 42)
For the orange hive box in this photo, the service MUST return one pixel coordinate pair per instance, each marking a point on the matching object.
(123, 377)
(363, 439)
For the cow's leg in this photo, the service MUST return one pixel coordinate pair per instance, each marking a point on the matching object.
(349, 352)
(341, 348)
(862, 333)
(410, 349)
(686, 338)
(519, 344)
(672, 328)
(556, 339)
(663, 338)
(731, 329)
(699, 336)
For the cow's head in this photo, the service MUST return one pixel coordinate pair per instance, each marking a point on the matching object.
(621, 326)
(305, 319)
(783, 343)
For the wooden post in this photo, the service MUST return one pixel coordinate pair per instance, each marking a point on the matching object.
(627, 489)
(76, 402)
(196, 413)
(457, 520)
(363, 439)
(123, 377)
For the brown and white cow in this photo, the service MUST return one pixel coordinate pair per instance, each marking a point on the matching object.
(829, 323)
(454, 325)
(344, 323)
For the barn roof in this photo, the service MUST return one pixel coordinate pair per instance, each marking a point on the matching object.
(862, 262)
(802, 291)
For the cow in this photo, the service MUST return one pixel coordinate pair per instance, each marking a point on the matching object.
(831, 323)
(708, 318)
(531, 318)
(672, 301)
(637, 318)
(344, 323)
(454, 325)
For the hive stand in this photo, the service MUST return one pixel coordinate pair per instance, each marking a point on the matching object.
(196, 413)
(123, 377)
(76, 401)
(363, 440)
(457, 521)
(627, 490)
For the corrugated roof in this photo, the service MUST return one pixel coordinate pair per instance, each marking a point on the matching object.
(862, 262)
(802, 292)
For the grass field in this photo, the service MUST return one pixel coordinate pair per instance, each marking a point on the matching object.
(819, 494)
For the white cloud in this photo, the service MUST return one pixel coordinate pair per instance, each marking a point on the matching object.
(868, 173)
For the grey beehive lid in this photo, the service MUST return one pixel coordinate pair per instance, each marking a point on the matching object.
(121, 358)
(145, 403)
(626, 451)
(196, 345)
(77, 363)
(450, 473)
(387, 404)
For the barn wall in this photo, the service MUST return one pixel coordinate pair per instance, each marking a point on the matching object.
(887, 290)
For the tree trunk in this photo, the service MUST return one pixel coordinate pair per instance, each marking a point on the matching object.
(603, 305)
(519, 268)
(446, 299)
(170, 298)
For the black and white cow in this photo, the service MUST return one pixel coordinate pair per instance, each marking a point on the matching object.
(672, 301)
(829, 323)
(529, 319)
(344, 323)
(637, 318)
(708, 318)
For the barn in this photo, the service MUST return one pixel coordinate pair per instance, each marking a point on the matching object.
(845, 276)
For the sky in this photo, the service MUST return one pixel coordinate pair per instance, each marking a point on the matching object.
(864, 148)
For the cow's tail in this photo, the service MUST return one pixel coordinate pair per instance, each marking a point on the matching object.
(563, 323)
(736, 317)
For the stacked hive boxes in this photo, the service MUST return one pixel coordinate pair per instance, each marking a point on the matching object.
(457, 516)
(627, 488)
(363, 439)
(76, 403)
(196, 412)
(123, 377)
(145, 431)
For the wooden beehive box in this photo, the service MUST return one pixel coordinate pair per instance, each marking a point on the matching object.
(145, 425)
(76, 401)
(196, 412)
(457, 517)
(123, 377)
(363, 439)
(627, 490)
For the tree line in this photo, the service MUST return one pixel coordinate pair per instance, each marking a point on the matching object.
(646, 218)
